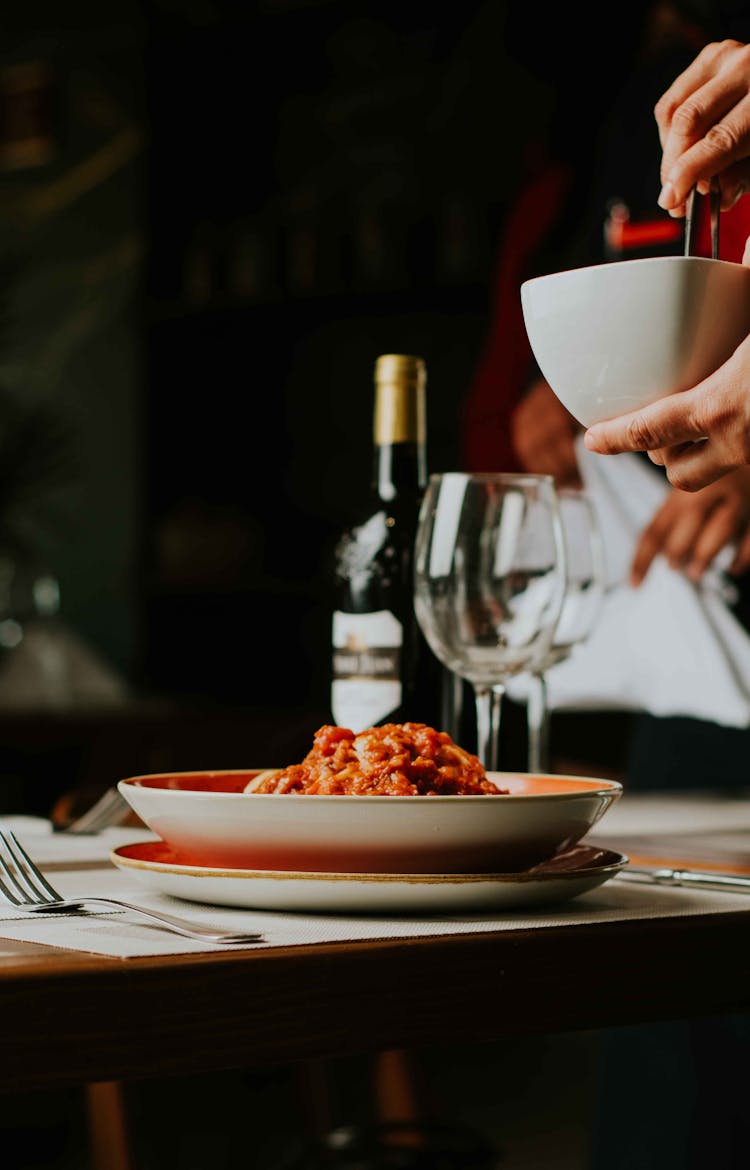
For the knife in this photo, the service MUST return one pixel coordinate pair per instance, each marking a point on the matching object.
(686, 877)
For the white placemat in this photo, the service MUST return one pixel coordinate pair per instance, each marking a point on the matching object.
(80, 865)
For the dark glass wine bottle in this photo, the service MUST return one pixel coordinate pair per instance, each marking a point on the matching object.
(383, 670)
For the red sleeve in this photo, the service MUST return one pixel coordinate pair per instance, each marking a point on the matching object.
(734, 229)
(506, 357)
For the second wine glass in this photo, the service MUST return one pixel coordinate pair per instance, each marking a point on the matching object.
(584, 592)
(489, 580)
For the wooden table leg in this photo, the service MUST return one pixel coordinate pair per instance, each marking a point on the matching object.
(109, 1136)
(400, 1097)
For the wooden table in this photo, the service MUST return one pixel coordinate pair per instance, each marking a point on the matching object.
(68, 1018)
(74, 1019)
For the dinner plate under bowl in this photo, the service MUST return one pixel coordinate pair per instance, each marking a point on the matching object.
(208, 817)
(158, 867)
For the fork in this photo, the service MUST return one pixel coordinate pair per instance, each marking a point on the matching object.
(24, 886)
(110, 809)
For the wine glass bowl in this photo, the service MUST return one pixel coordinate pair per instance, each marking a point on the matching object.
(583, 596)
(489, 579)
(584, 588)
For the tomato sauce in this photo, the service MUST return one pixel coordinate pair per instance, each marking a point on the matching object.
(397, 759)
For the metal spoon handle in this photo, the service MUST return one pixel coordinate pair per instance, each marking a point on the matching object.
(714, 197)
(691, 219)
(691, 223)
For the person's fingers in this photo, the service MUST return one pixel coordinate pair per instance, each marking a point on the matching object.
(717, 530)
(696, 467)
(697, 73)
(701, 97)
(662, 454)
(564, 458)
(538, 459)
(545, 449)
(558, 461)
(684, 531)
(650, 544)
(689, 532)
(707, 150)
(667, 423)
(529, 444)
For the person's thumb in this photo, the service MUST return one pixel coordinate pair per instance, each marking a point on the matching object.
(746, 253)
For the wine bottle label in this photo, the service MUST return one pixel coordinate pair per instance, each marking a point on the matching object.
(366, 683)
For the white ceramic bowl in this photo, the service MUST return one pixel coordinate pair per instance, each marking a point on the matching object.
(208, 820)
(612, 338)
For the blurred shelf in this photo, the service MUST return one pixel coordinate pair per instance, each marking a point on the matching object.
(209, 592)
(470, 297)
(218, 24)
(45, 753)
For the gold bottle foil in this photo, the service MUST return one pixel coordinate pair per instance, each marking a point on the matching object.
(400, 409)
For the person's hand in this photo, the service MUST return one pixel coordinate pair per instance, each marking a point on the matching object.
(704, 127)
(543, 435)
(690, 529)
(697, 435)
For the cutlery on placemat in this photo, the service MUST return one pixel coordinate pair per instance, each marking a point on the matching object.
(110, 809)
(23, 885)
(668, 876)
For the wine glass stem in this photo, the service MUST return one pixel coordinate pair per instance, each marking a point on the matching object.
(497, 710)
(537, 716)
(452, 699)
(488, 700)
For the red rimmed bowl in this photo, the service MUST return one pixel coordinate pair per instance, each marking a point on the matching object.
(208, 819)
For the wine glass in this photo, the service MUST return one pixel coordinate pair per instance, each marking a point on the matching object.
(489, 580)
(584, 591)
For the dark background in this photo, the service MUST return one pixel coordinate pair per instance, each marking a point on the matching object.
(223, 214)
(326, 182)
(213, 217)
(319, 193)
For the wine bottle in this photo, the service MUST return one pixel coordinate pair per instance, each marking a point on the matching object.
(383, 670)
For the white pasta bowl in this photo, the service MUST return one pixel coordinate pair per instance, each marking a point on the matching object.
(208, 819)
(611, 338)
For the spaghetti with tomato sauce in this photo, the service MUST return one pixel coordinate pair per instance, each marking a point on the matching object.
(396, 759)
